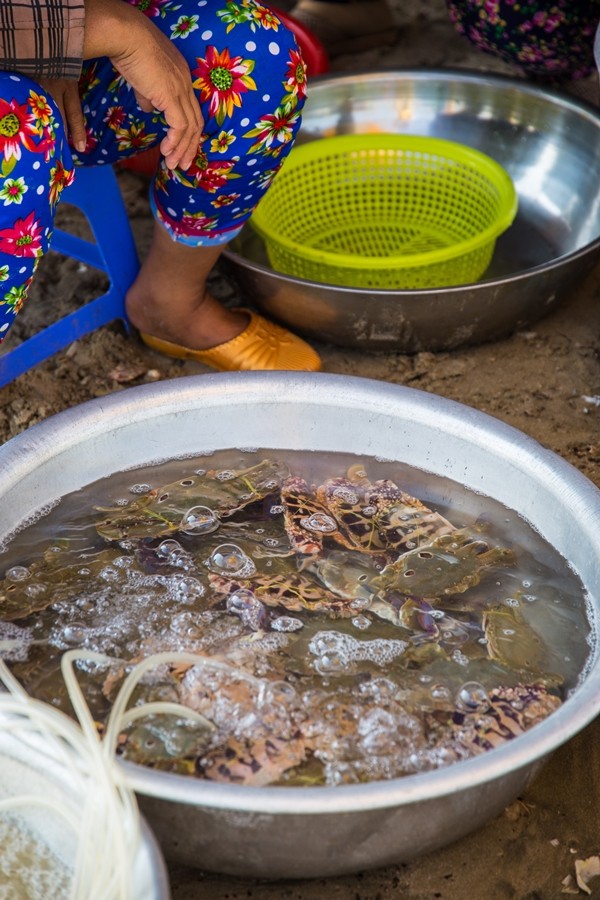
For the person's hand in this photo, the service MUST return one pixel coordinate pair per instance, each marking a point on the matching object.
(154, 68)
(161, 80)
(65, 93)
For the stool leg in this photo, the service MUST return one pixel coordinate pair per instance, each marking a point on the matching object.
(96, 192)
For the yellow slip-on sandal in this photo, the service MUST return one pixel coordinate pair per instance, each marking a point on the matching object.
(261, 345)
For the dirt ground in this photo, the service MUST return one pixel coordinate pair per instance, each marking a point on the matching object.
(545, 381)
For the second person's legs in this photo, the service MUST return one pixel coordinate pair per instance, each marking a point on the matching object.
(549, 43)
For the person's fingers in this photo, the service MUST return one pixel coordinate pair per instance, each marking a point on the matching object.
(74, 116)
(182, 156)
(183, 137)
(65, 93)
(161, 79)
(144, 104)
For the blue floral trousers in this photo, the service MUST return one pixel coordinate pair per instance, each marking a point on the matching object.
(250, 79)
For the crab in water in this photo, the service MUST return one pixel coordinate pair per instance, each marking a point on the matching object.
(509, 712)
(292, 591)
(253, 736)
(512, 641)
(335, 585)
(194, 504)
(450, 564)
(263, 732)
(371, 517)
(60, 573)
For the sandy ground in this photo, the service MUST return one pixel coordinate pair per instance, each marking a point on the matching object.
(545, 382)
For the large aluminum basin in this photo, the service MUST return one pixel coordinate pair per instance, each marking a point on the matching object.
(549, 145)
(308, 832)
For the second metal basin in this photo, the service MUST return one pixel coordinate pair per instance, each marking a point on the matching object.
(550, 146)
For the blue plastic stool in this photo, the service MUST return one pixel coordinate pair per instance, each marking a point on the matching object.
(95, 191)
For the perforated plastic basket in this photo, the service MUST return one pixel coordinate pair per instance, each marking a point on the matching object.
(385, 211)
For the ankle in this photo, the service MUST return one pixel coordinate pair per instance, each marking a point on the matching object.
(198, 323)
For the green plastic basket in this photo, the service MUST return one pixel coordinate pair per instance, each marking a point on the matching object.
(385, 211)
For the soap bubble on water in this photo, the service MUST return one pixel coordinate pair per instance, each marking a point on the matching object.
(334, 651)
(14, 642)
(275, 695)
(170, 550)
(330, 662)
(229, 559)
(287, 623)
(346, 495)
(74, 634)
(185, 624)
(85, 604)
(140, 489)
(512, 601)
(440, 693)
(359, 603)
(225, 475)
(454, 632)
(199, 520)
(110, 574)
(472, 697)
(378, 688)
(361, 622)
(37, 589)
(186, 590)
(17, 574)
(319, 522)
(374, 730)
(276, 509)
(251, 611)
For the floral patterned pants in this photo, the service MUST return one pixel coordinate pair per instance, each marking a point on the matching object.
(550, 42)
(251, 81)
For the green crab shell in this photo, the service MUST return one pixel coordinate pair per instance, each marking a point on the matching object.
(449, 565)
(59, 573)
(162, 511)
(512, 641)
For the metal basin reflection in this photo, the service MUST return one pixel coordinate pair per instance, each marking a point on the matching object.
(310, 832)
(548, 144)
